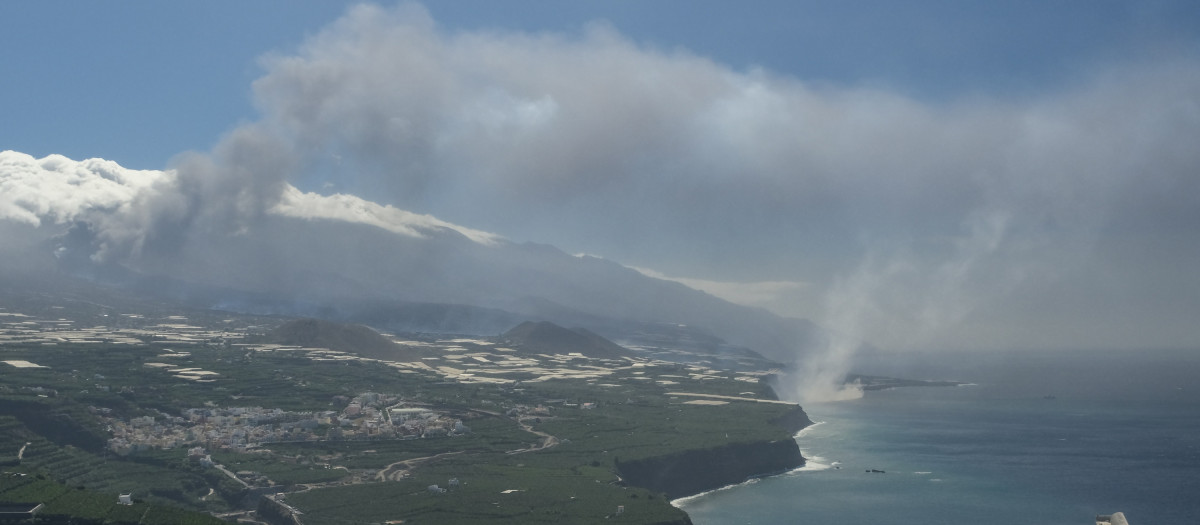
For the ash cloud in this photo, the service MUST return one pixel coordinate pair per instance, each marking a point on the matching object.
(977, 222)
(669, 160)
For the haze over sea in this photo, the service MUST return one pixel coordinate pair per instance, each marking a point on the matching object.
(1040, 438)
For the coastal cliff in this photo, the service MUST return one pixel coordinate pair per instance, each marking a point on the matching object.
(694, 471)
(793, 421)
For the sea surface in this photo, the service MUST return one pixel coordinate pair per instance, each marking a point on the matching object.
(1038, 438)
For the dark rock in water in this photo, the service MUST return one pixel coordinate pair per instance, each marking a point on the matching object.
(353, 338)
(544, 337)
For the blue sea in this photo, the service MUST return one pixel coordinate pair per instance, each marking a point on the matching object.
(1037, 438)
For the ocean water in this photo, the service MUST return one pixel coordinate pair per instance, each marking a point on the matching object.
(1037, 439)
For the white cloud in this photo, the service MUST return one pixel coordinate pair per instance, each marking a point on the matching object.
(58, 190)
(349, 208)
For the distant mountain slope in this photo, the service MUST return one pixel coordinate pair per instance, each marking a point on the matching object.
(336, 257)
(359, 265)
(357, 339)
(542, 337)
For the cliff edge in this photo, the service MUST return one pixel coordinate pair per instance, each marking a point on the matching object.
(690, 472)
(695, 471)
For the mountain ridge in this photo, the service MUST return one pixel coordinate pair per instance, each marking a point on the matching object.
(353, 338)
(544, 337)
(337, 252)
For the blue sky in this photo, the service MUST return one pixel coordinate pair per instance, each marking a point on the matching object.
(924, 172)
(140, 81)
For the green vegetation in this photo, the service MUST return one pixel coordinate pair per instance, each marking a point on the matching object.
(65, 504)
(538, 449)
(535, 494)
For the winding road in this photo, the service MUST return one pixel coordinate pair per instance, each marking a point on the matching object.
(547, 440)
(396, 471)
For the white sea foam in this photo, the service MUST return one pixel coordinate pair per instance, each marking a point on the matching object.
(813, 463)
(922, 473)
(678, 503)
(804, 431)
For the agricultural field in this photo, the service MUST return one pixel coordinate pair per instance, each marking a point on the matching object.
(203, 417)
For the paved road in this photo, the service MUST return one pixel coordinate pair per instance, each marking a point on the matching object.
(547, 440)
(396, 471)
(232, 475)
